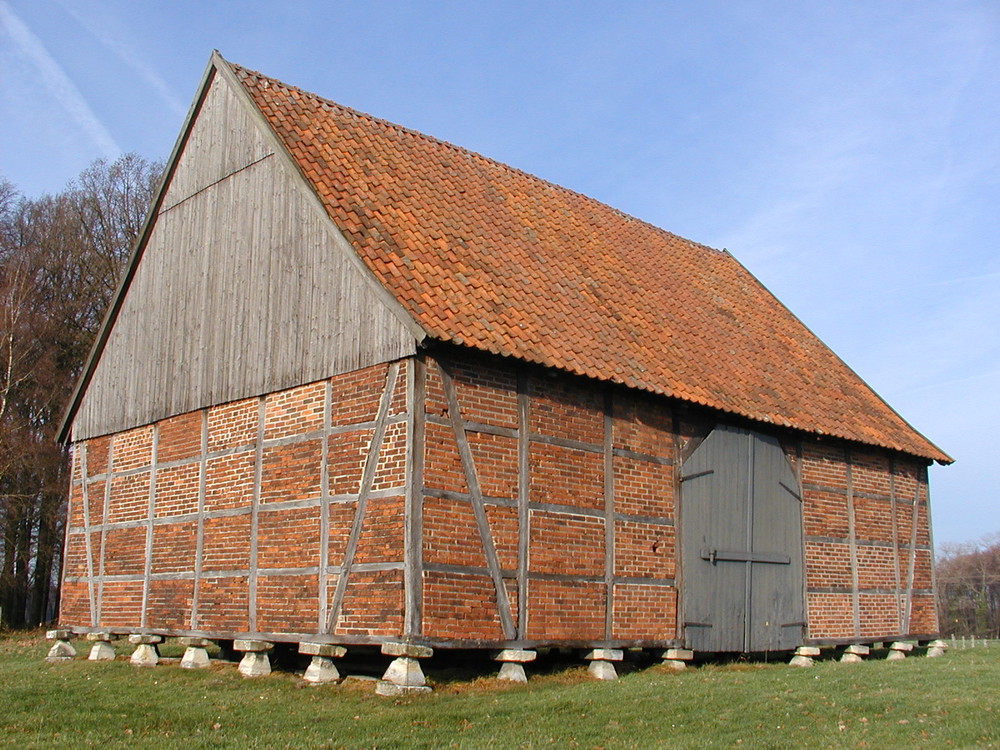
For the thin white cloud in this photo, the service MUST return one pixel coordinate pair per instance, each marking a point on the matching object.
(100, 31)
(56, 81)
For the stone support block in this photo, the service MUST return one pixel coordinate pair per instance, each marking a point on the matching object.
(936, 648)
(195, 657)
(604, 654)
(59, 635)
(895, 655)
(801, 661)
(858, 649)
(251, 646)
(321, 670)
(102, 636)
(137, 639)
(904, 646)
(512, 671)
(848, 658)
(144, 655)
(188, 642)
(322, 649)
(255, 664)
(602, 669)
(405, 671)
(62, 650)
(518, 655)
(408, 650)
(678, 654)
(102, 651)
(811, 651)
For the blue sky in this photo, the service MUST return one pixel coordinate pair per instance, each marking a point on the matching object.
(848, 153)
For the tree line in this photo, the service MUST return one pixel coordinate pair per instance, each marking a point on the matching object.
(968, 583)
(60, 259)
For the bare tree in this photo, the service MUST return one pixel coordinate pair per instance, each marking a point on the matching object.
(969, 587)
(60, 257)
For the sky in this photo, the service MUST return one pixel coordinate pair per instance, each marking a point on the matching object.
(847, 153)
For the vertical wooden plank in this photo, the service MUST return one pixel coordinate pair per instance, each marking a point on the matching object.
(104, 528)
(930, 541)
(324, 508)
(523, 490)
(258, 470)
(413, 523)
(911, 573)
(853, 545)
(150, 512)
(367, 478)
(675, 470)
(609, 514)
(893, 514)
(478, 508)
(200, 533)
(748, 567)
(88, 544)
(804, 588)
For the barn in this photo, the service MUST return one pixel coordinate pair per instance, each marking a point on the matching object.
(361, 387)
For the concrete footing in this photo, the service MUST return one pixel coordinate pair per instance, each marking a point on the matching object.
(102, 650)
(602, 661)
(677, 658)
(804, 656)
(899, 650)
(512, 661)
(321, 669)
(62, 649)
(404, 673)
(255, 662)
(145, 654)
(936, 648)
(854, 653)
(195, 653)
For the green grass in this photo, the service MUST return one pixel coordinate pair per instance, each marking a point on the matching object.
(917, 703)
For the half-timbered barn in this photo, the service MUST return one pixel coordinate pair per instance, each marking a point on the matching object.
(360, 386)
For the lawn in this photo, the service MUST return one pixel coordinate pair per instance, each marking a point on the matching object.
(953, 701)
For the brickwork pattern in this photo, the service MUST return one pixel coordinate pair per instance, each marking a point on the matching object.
(233, 509)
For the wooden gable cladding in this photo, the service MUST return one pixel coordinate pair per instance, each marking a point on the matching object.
(240, 288)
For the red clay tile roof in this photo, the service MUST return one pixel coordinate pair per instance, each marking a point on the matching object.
(487, 256)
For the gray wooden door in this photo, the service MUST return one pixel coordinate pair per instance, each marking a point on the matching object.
(741, 545)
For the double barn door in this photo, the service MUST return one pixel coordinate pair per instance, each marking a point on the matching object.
(741, 545)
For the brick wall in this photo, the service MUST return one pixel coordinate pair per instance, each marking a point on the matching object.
(249, 511)
(238, 508)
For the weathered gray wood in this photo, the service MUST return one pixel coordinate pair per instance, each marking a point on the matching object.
(852, 544)
(150, 513)
(324, 511)
(478, 509)
(296, 309)
(88, 543)
(911, 573)
(523, 498)
(104, 520)
(894, 520)
(742, 595)
(413, 522)
(609, 513)
(200, 532)
(258, 470)
(367, 478)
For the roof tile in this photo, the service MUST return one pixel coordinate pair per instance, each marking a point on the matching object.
(488, 256)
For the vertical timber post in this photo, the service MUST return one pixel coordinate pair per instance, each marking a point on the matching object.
(609, 514)
(413, 515)
(150, 514)
(523, 490)
(324, 509)
(852, 541)
(199, 545)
